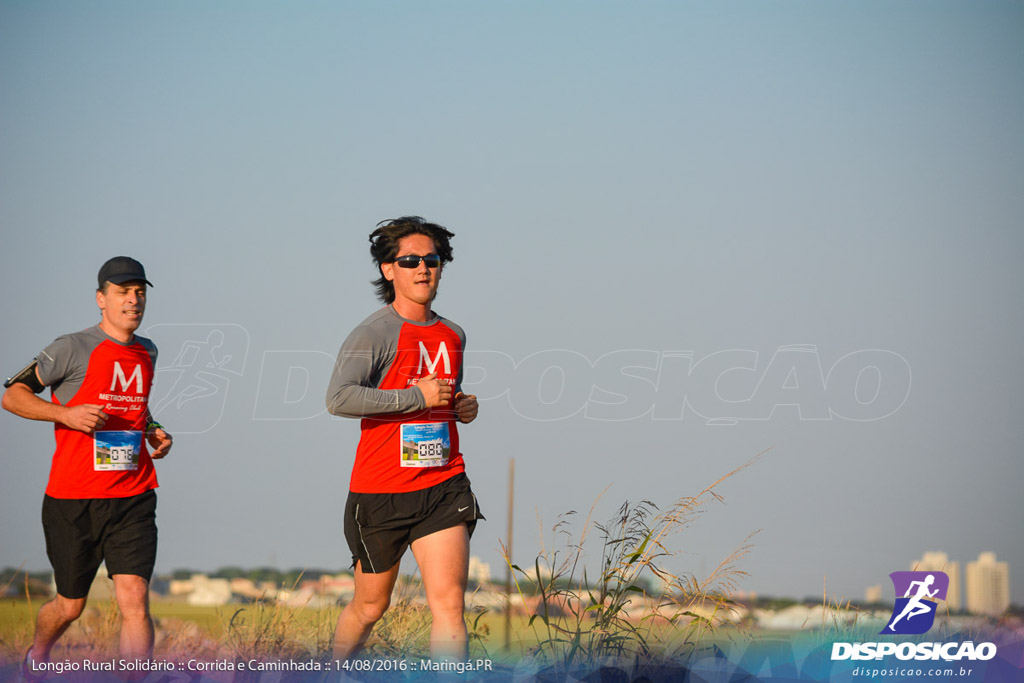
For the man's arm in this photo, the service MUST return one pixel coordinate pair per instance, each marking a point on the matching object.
(20, 400)
(353, 393)
(346, 397)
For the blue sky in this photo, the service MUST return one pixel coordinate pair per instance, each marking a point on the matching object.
(818, 202)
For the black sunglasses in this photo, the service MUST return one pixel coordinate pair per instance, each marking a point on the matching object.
(413, 261)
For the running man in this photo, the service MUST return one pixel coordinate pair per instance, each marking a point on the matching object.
(400, 371)
(100, 505)
(915, 605)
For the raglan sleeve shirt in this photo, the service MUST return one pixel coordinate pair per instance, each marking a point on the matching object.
(361, 365)
(88, 367)
(404, 445)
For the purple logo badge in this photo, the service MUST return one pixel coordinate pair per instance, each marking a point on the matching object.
(914, 612)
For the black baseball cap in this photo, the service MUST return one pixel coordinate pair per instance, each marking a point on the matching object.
(121, 269)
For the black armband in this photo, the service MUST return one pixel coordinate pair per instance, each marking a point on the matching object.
(28, 377)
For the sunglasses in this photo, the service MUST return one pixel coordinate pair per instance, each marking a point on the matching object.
(413, 261)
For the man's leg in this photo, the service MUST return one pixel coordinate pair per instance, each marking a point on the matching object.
(74, 558)
(129, 549)
(132, 594)
(443, 559)
(371, 600)
(52, 621)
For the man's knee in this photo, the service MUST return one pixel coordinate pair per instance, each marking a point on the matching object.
(68, 609)
(370, 611)
(132, 594)
(449, 601)
(134, 611)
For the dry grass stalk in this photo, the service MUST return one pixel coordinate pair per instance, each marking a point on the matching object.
(584, 623)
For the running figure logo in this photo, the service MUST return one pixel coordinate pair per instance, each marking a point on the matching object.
(914, 613)
(190, 385)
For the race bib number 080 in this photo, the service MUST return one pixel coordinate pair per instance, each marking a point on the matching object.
(116, 451)
(425, 444)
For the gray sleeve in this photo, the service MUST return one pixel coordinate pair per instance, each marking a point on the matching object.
(56, 362)
(360, 368)
(462, 359)
(151, 348)
(457, 329)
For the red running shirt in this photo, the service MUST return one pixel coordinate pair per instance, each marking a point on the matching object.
(90, 367)
(403, 446)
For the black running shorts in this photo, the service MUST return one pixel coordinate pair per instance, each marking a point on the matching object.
(380, 526)
(82, 533)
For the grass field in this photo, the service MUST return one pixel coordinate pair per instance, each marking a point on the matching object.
(574, 621)
(252, 630)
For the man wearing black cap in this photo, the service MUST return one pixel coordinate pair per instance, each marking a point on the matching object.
(100, 503)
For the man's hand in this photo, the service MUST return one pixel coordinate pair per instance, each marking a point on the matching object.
(160, 441)
(85, 417)
(466, 407)
(436, 392)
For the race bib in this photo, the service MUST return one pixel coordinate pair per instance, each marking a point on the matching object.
(116, 451)
(425, 444)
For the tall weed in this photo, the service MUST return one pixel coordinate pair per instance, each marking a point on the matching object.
(585, 622)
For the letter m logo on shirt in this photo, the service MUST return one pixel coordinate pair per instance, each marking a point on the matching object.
(125, 381)
(442, 352)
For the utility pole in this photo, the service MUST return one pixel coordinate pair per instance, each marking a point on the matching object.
(508, 568)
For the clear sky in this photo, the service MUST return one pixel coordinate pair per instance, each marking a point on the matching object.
(685, 233)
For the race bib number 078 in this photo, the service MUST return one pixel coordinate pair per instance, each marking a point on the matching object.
(425, 444)
(116, 450)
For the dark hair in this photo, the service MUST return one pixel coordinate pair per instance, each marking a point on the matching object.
(384, 246)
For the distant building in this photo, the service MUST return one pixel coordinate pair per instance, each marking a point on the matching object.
(988, 585)
(939, 562)
(209, 592)
(247, 588)
(479, 571)
(339, 586)
(873, 594)
(531, 573)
